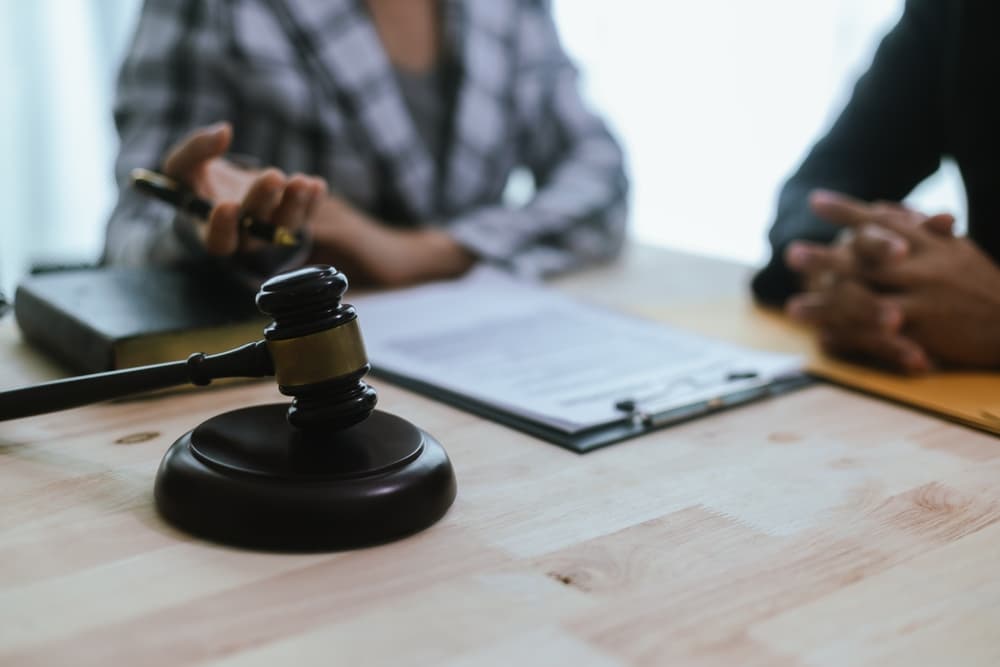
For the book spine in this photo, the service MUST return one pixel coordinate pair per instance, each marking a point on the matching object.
(61, 335)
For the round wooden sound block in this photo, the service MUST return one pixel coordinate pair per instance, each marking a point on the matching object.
(249, 479)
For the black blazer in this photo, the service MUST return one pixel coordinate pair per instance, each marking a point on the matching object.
(933, 90)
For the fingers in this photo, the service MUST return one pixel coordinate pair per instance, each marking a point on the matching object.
(813, 258)
(847, 211)
(873, 246)
(876, 238)
(852, 321)
(265, 194)
(196, 149)
(846, 305)
(895, 351)
(222, 236)
(879, 252)
(839, 208)
(319, 196)
(942, 224)
(273, 197)
(298, 200)
(222, 232)
(882, 209)
(868, 246)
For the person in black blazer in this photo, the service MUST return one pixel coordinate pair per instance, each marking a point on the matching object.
(877, 280)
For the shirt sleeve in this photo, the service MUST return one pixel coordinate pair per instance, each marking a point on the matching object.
(166, 87)
(886, 140)
(578, 212)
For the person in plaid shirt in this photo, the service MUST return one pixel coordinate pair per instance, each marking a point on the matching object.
(389, 129)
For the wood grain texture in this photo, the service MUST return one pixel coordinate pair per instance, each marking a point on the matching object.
(821, 528)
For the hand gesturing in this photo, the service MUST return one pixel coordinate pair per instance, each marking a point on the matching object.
(268, 194)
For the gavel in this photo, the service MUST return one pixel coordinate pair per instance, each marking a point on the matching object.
(327, 471)
(313, 348)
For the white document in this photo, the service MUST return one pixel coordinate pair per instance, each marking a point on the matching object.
(527, 349)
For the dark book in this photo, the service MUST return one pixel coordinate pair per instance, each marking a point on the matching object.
(101, 319)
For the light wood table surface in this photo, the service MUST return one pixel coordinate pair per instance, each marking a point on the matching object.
(821, 528)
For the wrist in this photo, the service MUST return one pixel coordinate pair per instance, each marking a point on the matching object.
(384, 255)
(444, 256)
(336, 222)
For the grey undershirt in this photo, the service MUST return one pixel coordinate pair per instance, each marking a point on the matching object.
(427, 98)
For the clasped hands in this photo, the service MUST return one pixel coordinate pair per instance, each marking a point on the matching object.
(897, 289)
(362, 247)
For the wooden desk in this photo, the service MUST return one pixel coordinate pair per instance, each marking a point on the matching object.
(821, 528)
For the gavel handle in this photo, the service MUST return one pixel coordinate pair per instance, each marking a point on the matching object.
(250, 360)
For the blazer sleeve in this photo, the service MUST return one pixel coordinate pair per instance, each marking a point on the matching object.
(887, 139)
(579, 209)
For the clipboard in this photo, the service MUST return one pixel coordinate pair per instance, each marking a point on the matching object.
(633, 424)
(566, 371)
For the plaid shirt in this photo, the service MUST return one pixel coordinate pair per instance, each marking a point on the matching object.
(308, 87)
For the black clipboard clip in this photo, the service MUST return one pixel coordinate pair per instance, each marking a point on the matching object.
(647, 414)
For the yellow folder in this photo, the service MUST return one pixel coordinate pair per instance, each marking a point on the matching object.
(971, 398)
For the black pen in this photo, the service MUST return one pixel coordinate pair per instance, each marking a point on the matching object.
(170, 191)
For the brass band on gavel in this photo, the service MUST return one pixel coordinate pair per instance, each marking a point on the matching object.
(320, 356)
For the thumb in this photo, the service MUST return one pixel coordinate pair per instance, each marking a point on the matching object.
(197, 148)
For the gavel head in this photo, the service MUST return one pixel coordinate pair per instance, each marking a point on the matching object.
(316, 346)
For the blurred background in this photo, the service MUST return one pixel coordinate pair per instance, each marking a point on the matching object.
(715, 101)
